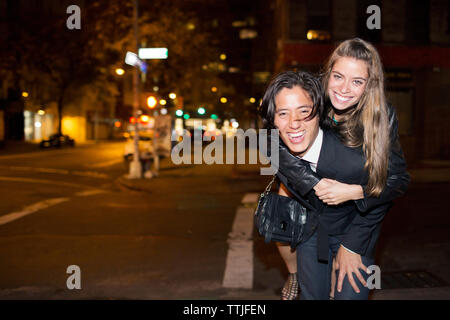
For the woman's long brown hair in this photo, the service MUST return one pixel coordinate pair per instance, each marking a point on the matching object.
(367, 125)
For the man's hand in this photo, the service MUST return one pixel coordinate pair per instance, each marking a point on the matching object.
(333, 192)
(348, 263)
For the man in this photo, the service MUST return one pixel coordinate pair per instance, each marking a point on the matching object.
(293, 104)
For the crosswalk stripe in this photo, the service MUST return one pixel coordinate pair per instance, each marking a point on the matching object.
(239, 262)
(31, 209)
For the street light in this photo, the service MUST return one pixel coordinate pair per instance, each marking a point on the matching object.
(172, 95)
(120, 71)
(223, 100)
(252, 100)
(162, 102)
(25, 94)
(214, 89)
(145, 118)
(151, 102)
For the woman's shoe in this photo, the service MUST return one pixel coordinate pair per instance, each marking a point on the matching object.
(290, 289)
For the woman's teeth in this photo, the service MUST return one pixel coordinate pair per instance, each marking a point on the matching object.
(341, 98)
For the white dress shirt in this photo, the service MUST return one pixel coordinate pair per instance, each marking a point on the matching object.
(312, 155)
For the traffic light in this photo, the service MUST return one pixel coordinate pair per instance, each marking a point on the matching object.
(151, 102)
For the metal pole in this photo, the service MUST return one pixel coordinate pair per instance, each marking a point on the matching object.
(135, 165)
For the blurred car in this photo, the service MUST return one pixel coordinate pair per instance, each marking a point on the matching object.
(57, 141)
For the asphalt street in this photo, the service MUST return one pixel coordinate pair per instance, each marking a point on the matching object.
(169, 237)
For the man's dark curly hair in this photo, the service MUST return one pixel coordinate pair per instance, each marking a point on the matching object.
(289, 79)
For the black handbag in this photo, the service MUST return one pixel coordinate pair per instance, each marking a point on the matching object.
(283, 219)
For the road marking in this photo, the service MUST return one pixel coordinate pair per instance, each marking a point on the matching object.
(49, 170)
(90, 174)
(44, 205)
(239, 262)
(30, 209)
(105, 163)
(89, 192)
(58, 183)
(250, 198)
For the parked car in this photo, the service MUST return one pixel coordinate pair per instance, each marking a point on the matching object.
(57, 141)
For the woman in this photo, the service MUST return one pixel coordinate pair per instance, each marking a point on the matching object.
(356, 109)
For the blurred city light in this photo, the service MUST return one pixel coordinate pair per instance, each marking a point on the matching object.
(201, 110)
(37, 124)
(235, 124)
(120, 71)
(162, 102)
(248, 34)
(223, 100)
(117, 124)
(153, 53)
(144, 118)
(318, 35)
(41, 112)
(172, 95)
(163, 111)
(132, 59)
(25, 94)
(151, 102)
(214, 89)
(252, 100)
(223, 56)
(179, 112)
(186, 116)
(214, 116)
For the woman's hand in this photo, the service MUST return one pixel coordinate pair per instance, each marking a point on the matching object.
(349, 263)
(333, 192)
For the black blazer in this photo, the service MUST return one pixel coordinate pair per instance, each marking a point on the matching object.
(355, 223)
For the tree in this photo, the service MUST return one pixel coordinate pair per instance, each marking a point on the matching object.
(61, 64)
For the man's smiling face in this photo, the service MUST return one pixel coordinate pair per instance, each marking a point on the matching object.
(293, 107)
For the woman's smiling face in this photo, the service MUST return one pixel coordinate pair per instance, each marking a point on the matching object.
(347, 82)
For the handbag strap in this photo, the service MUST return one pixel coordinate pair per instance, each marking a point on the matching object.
(269, 186)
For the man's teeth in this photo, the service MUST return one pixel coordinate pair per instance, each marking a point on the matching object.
(296, 135)
(341, 98)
